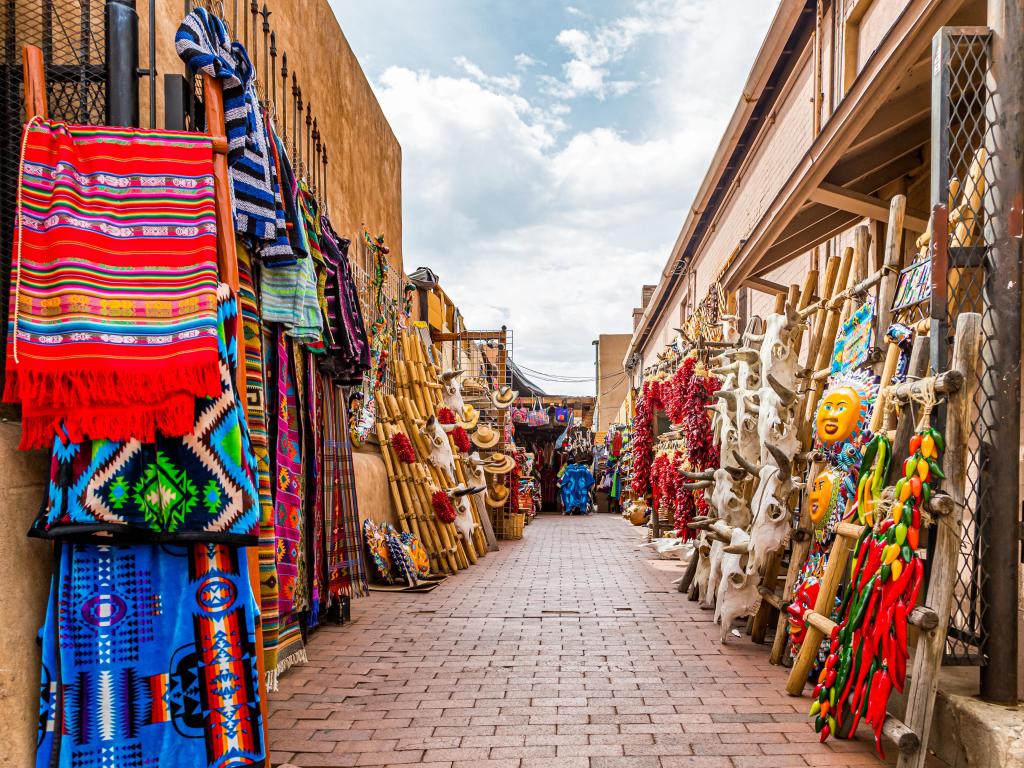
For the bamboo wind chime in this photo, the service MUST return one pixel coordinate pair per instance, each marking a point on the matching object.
(413, 485)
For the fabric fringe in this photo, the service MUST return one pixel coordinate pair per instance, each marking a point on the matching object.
(299, 657)
(172, 418)
(272, 678)
(62, 389)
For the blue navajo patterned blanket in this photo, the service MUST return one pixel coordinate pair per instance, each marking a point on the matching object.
(149, 659)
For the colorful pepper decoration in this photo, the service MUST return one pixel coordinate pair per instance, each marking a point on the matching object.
(443, 507)
(868, 647)
(403, 448)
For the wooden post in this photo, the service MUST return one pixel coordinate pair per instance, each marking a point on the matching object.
(893, 262)
(34, 71)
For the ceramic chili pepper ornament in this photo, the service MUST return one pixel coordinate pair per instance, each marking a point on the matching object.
(868, 652)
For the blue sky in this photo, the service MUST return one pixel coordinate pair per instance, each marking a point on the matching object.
(551, 150)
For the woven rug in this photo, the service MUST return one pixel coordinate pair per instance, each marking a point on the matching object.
(113, 327)
(288, 512)
(256, 413)
(149, 658)
(350, 558)
(199, 487)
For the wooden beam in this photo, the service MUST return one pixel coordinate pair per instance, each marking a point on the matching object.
(881, 76)
(764, 286)
(868, 206)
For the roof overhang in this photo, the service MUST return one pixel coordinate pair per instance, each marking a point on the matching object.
(878, 133)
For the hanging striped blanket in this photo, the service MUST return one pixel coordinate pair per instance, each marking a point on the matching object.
(113, 317)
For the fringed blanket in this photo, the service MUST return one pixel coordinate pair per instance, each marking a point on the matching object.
(345, 560)
(289, 525)
(112, 327)
(256, 412)
(199, 487)
(149, 659)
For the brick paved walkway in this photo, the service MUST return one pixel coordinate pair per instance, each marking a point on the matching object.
(569, 648)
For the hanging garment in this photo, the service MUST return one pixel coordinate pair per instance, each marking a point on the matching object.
(576, 483)
(346, 566)
(348, 355)
(113, 318)
(280, 250)
(289, 525)
(256, 410)
(199, 487)
(149, 658)
(203, 43)
(291, 292)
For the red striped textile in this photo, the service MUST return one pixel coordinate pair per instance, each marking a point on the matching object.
(113, 313)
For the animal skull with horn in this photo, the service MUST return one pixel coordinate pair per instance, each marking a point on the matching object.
(770, 509)
(776, 418)
(464, 521)
(737, 587)
(778, 351)
(439, 447)
(451, 391)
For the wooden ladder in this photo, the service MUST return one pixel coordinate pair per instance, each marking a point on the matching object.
(958, 385)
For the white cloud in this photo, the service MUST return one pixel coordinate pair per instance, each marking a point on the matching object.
(497, 82)
(525, 61)
(545, 228)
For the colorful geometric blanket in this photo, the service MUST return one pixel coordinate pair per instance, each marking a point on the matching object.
(199, 487)
(112, 327)
(256, 409)
(149, 659)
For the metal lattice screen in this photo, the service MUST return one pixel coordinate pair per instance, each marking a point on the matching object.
(71, 35)
(964, 170)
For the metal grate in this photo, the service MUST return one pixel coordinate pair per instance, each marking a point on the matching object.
(963, 173)
(71, 36)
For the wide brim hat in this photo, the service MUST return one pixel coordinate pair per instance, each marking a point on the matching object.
(503, 397)
(486, 436)
(497, 495)
(469, 419)
(499, 464)
(424, 277)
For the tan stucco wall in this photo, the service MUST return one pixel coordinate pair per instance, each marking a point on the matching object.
(25, 576)
(612, 381)
(365, 159)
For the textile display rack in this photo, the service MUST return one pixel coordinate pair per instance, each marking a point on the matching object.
(201, 498)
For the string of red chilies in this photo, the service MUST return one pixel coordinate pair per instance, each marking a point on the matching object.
(683, 398)
(868, 646)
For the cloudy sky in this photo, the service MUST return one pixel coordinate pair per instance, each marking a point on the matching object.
(551, 151)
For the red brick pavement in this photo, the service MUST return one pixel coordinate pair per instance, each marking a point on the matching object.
(569, 648)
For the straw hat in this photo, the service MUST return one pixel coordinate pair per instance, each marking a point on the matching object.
(499, 464)
(469, 418)
(503, 397)
(497, 495)
(486, 436)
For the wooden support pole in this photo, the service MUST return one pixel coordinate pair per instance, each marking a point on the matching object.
(34, 72)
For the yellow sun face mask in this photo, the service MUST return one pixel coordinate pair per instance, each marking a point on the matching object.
(838, 415)
(820, 496)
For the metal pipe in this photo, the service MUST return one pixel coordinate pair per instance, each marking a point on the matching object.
(122, 44)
